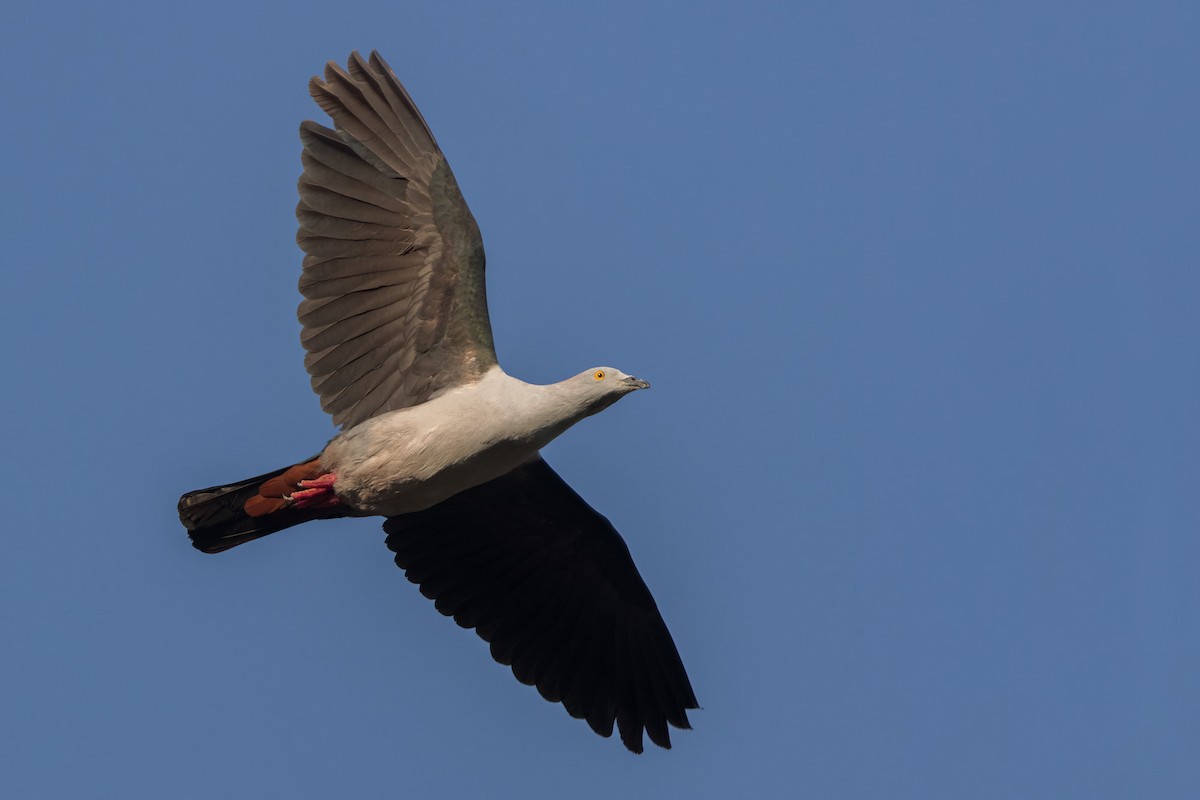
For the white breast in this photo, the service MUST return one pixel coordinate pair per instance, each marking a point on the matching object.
(414, 458)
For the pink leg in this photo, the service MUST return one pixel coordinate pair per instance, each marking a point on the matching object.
(316, 493)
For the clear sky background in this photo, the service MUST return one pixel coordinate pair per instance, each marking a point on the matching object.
(917, 286)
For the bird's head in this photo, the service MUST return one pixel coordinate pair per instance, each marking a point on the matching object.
(603, 386)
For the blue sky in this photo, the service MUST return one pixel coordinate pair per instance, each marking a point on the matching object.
(915, 487)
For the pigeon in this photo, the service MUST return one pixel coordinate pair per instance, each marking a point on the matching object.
(437, 438)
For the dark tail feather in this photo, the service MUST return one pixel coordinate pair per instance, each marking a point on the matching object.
(216, 517)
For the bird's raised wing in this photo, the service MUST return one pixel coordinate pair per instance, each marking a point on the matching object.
(551, 585)
(395, 308)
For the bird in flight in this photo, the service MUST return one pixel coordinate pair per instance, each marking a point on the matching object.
(437, 438)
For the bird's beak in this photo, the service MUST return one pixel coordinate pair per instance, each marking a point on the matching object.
(635, 383)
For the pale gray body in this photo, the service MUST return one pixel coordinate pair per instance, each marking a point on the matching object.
(414, 458)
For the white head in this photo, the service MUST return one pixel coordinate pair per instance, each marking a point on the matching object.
(600, 387)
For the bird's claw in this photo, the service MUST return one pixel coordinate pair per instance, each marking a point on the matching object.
(317, 493)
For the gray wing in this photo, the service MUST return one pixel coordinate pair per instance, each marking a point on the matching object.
(395, 308)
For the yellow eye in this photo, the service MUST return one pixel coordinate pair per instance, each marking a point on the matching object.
(598, 374)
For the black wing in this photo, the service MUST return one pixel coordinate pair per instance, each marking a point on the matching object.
(551, 585)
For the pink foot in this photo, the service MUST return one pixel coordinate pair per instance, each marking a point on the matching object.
(316, 493)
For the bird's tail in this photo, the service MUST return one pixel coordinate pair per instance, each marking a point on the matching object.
(222, 517)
